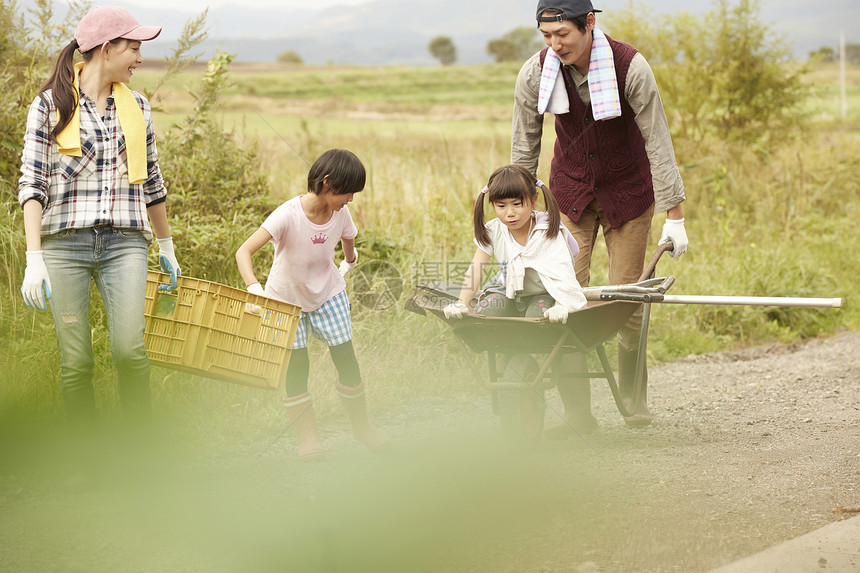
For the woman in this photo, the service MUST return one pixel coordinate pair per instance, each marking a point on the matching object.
(90, 179)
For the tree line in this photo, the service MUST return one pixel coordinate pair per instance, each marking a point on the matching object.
(724, 73)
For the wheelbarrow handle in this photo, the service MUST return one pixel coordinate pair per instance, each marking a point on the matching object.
(652, 264)
(632, 297)
(666, 284)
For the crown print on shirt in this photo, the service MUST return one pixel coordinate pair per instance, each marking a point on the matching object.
(319, 239)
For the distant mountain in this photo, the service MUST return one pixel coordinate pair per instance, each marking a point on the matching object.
(397, 32)
(378, 32)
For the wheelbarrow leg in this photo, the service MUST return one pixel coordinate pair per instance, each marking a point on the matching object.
(632, 364)
(610, 378)
(633, 377)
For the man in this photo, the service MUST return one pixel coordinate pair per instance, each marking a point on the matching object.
(613, 165)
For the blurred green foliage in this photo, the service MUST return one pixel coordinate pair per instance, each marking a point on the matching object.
(443, 49)
(516, 45)
(725, 73)
(290, 57)
(219, 188)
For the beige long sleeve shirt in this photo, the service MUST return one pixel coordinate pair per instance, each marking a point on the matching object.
(641, 93)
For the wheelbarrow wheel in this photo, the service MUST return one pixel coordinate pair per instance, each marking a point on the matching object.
(521, 411)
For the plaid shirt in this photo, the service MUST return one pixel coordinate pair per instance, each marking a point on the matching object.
(92, 190)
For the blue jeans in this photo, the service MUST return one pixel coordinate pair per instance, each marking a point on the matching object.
(116, 260)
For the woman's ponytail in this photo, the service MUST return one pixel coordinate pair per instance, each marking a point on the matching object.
(62, 87)
(551, 210)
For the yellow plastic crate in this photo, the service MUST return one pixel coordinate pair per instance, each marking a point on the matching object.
(205, 329)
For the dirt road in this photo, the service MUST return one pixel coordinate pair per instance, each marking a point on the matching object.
(748, 449)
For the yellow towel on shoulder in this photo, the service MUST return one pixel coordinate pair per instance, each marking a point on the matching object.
(130, 121)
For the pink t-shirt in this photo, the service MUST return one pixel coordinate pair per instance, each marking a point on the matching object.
(303, 270)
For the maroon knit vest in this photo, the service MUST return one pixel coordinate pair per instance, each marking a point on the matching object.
(605, 159)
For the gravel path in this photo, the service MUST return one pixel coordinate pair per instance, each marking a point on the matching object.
(748, 449)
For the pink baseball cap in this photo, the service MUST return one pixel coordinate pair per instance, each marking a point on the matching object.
(105, 23)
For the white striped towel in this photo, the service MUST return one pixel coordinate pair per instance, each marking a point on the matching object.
(602, 82)
(552, 96)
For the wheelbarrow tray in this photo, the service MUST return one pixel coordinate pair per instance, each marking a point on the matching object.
(590, 327)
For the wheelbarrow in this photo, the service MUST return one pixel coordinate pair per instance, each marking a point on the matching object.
(518, 380)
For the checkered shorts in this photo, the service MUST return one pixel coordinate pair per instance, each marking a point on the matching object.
(330, 323)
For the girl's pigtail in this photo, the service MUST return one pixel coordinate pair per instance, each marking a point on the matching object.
(481, 233)
(551, 210)
(62, 87)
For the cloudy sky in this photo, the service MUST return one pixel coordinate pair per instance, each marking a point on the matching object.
(370, 32)
(661, 5)
(199, 5)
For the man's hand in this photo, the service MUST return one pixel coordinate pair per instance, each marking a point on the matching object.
(674, 232)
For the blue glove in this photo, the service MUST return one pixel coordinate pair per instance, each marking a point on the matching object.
(36, 287)
(168, 262)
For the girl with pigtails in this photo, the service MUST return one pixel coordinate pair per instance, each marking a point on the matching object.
(534, 252)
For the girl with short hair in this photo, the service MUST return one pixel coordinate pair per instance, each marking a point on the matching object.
(305, 231)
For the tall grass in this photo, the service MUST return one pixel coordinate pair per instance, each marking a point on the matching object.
(779, 221)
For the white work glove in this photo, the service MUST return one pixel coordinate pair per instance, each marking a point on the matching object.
(557, 313)
(345, 267)
(168, 262)
(254, 288)
(674, 232)
(36, 287)
(456, 310)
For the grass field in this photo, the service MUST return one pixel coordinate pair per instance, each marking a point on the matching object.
(779, 221)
